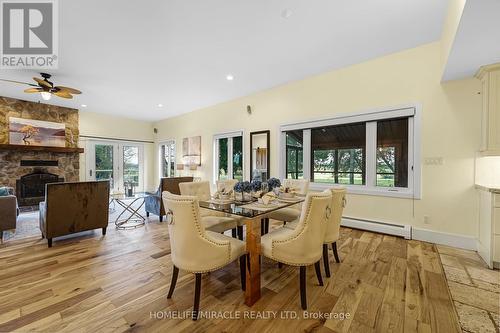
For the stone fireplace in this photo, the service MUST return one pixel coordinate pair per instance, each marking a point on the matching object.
(28, 169)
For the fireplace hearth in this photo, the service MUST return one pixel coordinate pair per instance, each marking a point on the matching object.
(30, 188)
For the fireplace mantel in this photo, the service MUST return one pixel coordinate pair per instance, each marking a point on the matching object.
(41, 148)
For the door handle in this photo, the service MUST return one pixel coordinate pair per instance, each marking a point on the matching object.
(90, 172)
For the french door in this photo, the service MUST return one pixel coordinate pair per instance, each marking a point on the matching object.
(120, 163)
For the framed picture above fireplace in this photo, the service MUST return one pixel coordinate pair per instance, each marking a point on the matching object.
(36, 133)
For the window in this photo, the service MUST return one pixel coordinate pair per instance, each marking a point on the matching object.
(370, 153)
(338, 154)
(167, 159)
(392, 153)
(294, 155)
(228, 156)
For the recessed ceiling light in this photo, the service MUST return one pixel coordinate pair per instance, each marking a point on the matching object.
(229, 77)
(160, 105)
(84, 105)
(286, 13)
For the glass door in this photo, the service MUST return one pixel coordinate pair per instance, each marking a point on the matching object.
(119, 163)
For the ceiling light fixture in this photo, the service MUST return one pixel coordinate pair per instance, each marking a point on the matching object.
(229, 77)
(286, 13)
(45, 95)
(160, 105)
(84, 105)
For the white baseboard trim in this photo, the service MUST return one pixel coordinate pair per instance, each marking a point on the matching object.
(443, 238)
(376, 226)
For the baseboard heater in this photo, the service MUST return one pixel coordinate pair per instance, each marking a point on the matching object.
(376, 226)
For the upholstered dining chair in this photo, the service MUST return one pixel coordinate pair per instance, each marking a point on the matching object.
(303, 245)
(332, 233)
(212, 220)
(228, 184)
(289, 214)
(195, 249)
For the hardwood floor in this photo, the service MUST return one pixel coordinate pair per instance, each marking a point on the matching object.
(120, 282)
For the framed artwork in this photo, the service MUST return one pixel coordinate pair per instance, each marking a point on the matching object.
(191, 150)
(36, 132)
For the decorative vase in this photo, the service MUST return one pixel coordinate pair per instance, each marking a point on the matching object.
(247, 196)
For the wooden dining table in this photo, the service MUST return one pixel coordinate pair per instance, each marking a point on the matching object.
(253, 212)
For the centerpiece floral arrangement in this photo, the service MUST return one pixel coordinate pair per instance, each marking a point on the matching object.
(243, 188)
(256, 185)
(273, 183)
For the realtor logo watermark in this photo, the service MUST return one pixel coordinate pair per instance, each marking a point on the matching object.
(29, 36)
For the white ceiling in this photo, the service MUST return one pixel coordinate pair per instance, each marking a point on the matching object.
(129, 56)
(477, 41)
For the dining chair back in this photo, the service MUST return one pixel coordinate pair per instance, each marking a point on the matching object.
(303, 245)
(300, 185)
(226, 184)
(195, 249)
(200, 190)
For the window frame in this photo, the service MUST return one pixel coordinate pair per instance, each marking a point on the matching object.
(227, 135)
(370, 117)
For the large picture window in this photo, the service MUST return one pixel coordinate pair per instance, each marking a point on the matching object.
(369, 152)
(228, 156)
(338, 154)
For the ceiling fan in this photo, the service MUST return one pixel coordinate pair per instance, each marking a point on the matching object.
(46, 88)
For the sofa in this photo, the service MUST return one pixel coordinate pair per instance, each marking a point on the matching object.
(74, 207)
(8, 211)
(153, 202)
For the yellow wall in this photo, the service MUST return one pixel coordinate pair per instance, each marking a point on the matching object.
(450, 129)
(107, 126)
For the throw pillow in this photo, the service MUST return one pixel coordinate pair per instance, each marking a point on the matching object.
(4, 191)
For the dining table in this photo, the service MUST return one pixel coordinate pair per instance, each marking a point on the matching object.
(253, 212)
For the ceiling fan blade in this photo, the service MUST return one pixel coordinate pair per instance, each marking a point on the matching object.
(68, 90)
(43, 83)
(33, 90)
(19, 82)
(63, 94)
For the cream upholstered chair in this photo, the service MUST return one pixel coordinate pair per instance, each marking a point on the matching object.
(289, 214)
(332, 233)
(302, 246)
(228, 184)
(195, 249)
(212, 220)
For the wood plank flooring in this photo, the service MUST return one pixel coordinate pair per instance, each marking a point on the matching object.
(119, 283)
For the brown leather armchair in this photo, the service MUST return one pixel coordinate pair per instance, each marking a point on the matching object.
(8, 212)
(74, 207)
(154, 204)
